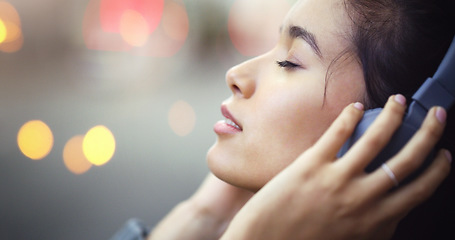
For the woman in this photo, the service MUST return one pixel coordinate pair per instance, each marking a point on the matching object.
(331, 53)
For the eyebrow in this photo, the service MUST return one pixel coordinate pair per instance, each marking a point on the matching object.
(302, 33)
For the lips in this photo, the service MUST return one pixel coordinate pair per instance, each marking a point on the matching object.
(228, 126)
(232, 124)
(230, 120)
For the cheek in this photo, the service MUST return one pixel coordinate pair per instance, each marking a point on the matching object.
(346, 85)
(287, 124)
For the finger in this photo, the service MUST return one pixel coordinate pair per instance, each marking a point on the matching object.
(377, 135)
(341, 129)
(413, 153)
(407, 197)
(417, 149)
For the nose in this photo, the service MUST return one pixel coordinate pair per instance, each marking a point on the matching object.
(242, 78)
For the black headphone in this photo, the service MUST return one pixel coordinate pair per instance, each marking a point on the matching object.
(436, 91)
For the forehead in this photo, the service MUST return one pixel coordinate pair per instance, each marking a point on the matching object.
(326, 19)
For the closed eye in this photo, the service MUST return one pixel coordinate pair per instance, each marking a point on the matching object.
(287, 64)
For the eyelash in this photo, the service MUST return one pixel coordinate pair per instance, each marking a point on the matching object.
(287, 64)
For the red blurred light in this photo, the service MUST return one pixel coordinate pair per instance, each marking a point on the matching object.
(94, 36)
(111, 12)
(144, 27)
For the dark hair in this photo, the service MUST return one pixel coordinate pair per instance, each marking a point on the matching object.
(399, 44)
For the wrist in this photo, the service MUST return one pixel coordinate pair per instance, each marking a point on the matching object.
(207, 216)
(188, 220)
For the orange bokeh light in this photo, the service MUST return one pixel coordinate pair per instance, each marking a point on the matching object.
(74, 157)
(11, 39)
(170, 36)
(134, 28)
(94, 36)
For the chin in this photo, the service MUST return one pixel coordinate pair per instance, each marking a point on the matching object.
(226, 169)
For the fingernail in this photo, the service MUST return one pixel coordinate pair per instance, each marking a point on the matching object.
(448, 156)
(441, 114)
(400, 99)
(359, 106)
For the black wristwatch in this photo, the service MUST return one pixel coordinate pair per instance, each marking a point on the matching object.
(133, 229)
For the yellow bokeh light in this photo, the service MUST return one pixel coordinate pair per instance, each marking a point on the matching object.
(35, 139)
(13, 32)
(98, 145)
(134, 28)
(74, 157)
(2, 31)
(182, 118)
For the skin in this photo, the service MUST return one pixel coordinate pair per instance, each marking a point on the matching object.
(321, 197)
(284, 110)
(283, 114)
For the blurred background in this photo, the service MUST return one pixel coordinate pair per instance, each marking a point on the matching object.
(107, 106)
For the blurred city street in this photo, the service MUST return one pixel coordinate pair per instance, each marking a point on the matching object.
(137, 84)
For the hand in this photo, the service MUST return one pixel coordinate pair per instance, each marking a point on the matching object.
(321, 197)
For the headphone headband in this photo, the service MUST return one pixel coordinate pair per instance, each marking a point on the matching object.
(440, 89)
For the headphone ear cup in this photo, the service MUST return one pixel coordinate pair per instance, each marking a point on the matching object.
(368, 118)
(399, 139)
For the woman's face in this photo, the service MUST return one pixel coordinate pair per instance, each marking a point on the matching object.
(281, 102)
